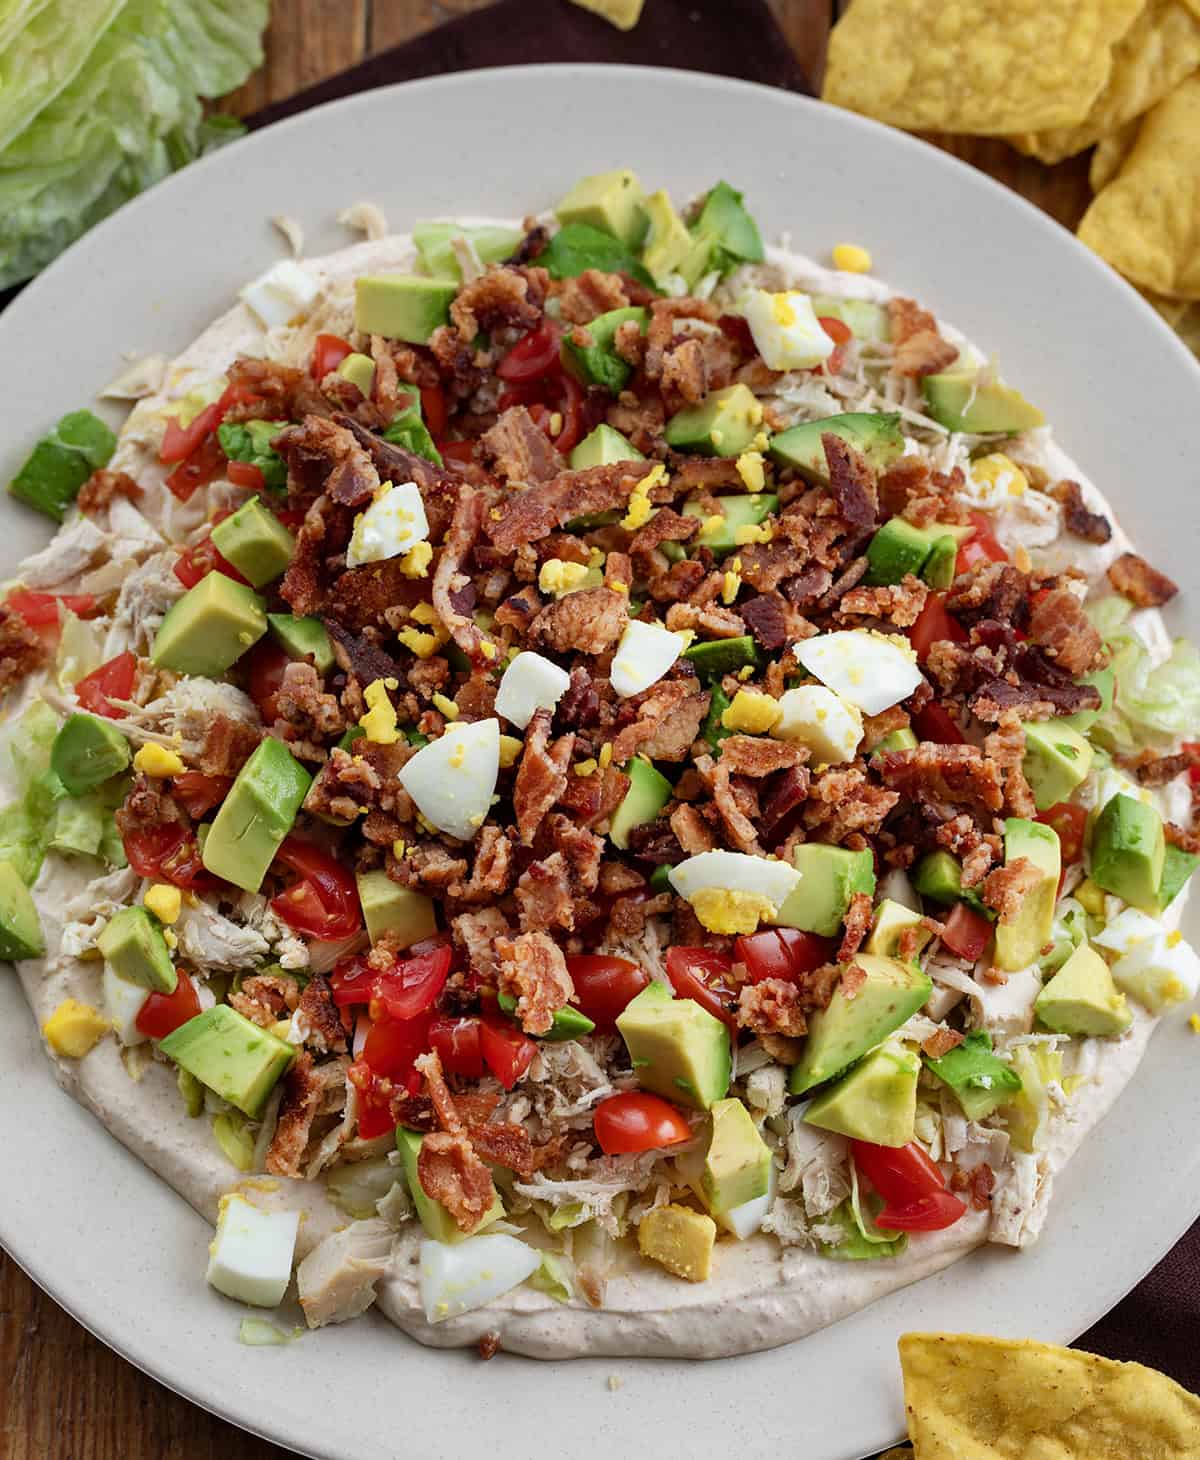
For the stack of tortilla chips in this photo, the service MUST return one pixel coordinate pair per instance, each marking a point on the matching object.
(1056, 77)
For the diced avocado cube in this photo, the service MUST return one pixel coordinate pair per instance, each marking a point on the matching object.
(62, 461)
(715, 658)
(848, 1027)
(255, 542)
(939, 567)
(876, 1101)
(713, 729)
(602, 447)
(865, 319)
(877, 437)
(967, 400)
(402, 306)
(938, 876)
(829, 878)
(1057, 761)
(1105, 682)
(1178, 866)
(728, 230)
(980, 1081)
(610, 201)
(302, 638)
(669, 248)
(434, 1217)
(20, 927)
(210, 627)
(135, 949)
(649, 791)
(737, 1164)
(87, 751)
(892, 920)
(405, 915)
(359, 370)
(734, 512)
(434, 241)
(896, 740)
(724, 423)
(1082, 998)
(1022, 938)
(236, 1059)
(678, 1049)
(569, 1023)
(77, 826)
(1128, 851)
(897, 549)
(256, 814)
(599, 363)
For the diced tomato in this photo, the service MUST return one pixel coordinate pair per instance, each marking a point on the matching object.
(841, 334)
(1070, 823)
(200, 793)
(457, 1042)
(934, 623)
(635, 1121)
(558, 393)
(202, 558)
(936, 723)
(265, 664)
(393, 1044)
(533, 355)
(179, 442)
(463, 451)
(374, 1101)
(506, 1051)
(114, 678)
(162, 1014)
(328, 353)
(168, 853)
(324, 902)
(40, 610)
(928, 1214)
(785, 953)
(434, 409)
(352, 982)
(570, 407)
(184, 868)
(914, 1190)
(604, 986)
(982, 547)
(1192, 747)
(966, 932)
(703, 975)
(204, 465)
(411, 985)
(246, 474)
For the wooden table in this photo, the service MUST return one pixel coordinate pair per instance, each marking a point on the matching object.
(63, 1395)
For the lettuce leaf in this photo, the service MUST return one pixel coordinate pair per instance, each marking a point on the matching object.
(1152, 707)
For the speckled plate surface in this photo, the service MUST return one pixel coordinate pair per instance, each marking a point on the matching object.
(117, 1247)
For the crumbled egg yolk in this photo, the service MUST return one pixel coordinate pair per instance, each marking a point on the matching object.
(722, 910)
(1194, 1021)
(596, 557)
(712, 524)
(75, 1028)
(415, 562)
(399, 847)
(998, 471)
(745, 672)
(170, 939)
(424, 645)
(732, 581)
(446, 705)
(640, 510)
(753, 532)
(510, 748)
(379, 722)
(606, 755)
(560, 577)
(1174, 938)
(586, 767)
(158, 761)
(164, 901)
(851, 258)
(750, 469)
(752, 712)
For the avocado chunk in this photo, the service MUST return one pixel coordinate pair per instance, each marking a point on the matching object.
(897, 549)
(1082, 998)
(1019, 941)
(256, 815)
(301, 638)
(62, 461)
(1128, 852)
(569, 1022)
(134, 947)
(877, 437)
(602, 447)
(402, 306)
(649, 791)
(210, 627)
(1178, 866)
(829, 878)
(966, 400)
(981, 1082)
(724, 423)
(734, 512)
(847, 1028)
(599, 363)
(728, 232)
(669, 248)
(1105, 682)
(737, 1165)
(902, 739)
(20, 927)
(876, 1101)
(865, 319)
(892, 919)
(1057, 761)
(255, 542)
(359, 370)
(678, 1049)
(938, 876)
(714, 658)
(436, 1220)
(610, 201)
(435, 244)
(406, 915)
(940, 565)
(234, 1058)
(87, 751)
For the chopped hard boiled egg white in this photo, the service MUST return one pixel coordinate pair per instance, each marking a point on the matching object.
(453, 778)
(643, 656)
(732, 892)
(830, 726)
(393, 523)
(250, 1258)
(1110, 782)
(123, 1003)
(873, 671)
(787, 333)
(457, 1278)
(1156, 967)
(283, 292)
(531, 682)
(743, 1221)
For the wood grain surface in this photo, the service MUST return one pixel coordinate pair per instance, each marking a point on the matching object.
(63, 1395)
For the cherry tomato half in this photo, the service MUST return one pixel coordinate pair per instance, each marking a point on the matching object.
(265, 665)
(114, 678)
(328, 353)
(199, 792)
(41, 610)
(966, 932)
(982, 547)
(162, 1014)
(914, 1190)
(393, 1044)
(636, 1121)
(936, 723)
(785, 953)
(457, 1041)
(533, 355)
(324, 903)
(605, 985)
(506, 1051)
(703, 975)
(928, 1214)
(412, 985)
(1070, 823)
(934, 623)
(841, 334)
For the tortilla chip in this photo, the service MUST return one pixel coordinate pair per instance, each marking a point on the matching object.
(624, 14)
(1160, 49)
(1146, 222)
(981, 66)
(1110, 153)
(1001, 1399)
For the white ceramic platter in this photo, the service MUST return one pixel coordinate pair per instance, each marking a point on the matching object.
(124, 1254)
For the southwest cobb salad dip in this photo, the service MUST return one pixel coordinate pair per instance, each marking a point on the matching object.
(600, 749)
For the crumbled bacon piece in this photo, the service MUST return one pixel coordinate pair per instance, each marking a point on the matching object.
(476, 934)
(1059, 625)
(589, 294)
(851, 483)
(896, 603)
(21, 649)
(319, 1015)
(691, 830)
(941, 1042)
(492, 869)
(843, 803)
(1005, 889)
(669, 719)
(588, 621)
(1143, 585)
(506, 295)
(1158, 770)
(918, 349)
(772, 1007)
(530, 515)
(449, 576)
(264, 998)
(1091, 526)
(324, 533)
(979, 1182)
(546, 896)
(309, 1090)
(767, 616)
(102, 486)
(666, 525)
(541, 774)
(518, 450)
(534, 972)
(307, 715)
(857, 926)
(746, 755)
(943, 777)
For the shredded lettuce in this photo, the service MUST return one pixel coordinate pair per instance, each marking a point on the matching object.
(232, 1133)
(863, 1240)
(409, 431)
(250, 441)
(262, 1333)
(1152, 707)
(554, 1277)
(80, 649)
(356, 1187)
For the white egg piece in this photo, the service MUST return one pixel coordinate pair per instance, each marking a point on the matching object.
(1155, 967)
(530, 683)
(786, 330)
(873, 671)
(250, 1258)
(732, 892)
(743, 1221)
(123, 1003)
(393, 523)
(278, 297)
(643, 656)
(453, 778)
(456, 1278)
(815, 716)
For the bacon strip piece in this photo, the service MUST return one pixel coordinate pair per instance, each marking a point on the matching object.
(448, 1167)
(449, 578)
(530, 515)
(534, 972)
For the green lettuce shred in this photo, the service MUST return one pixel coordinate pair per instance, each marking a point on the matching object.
(1152, 707)
(262, 1333)
(250, 441)
(554, 1277)
(863, 1240)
